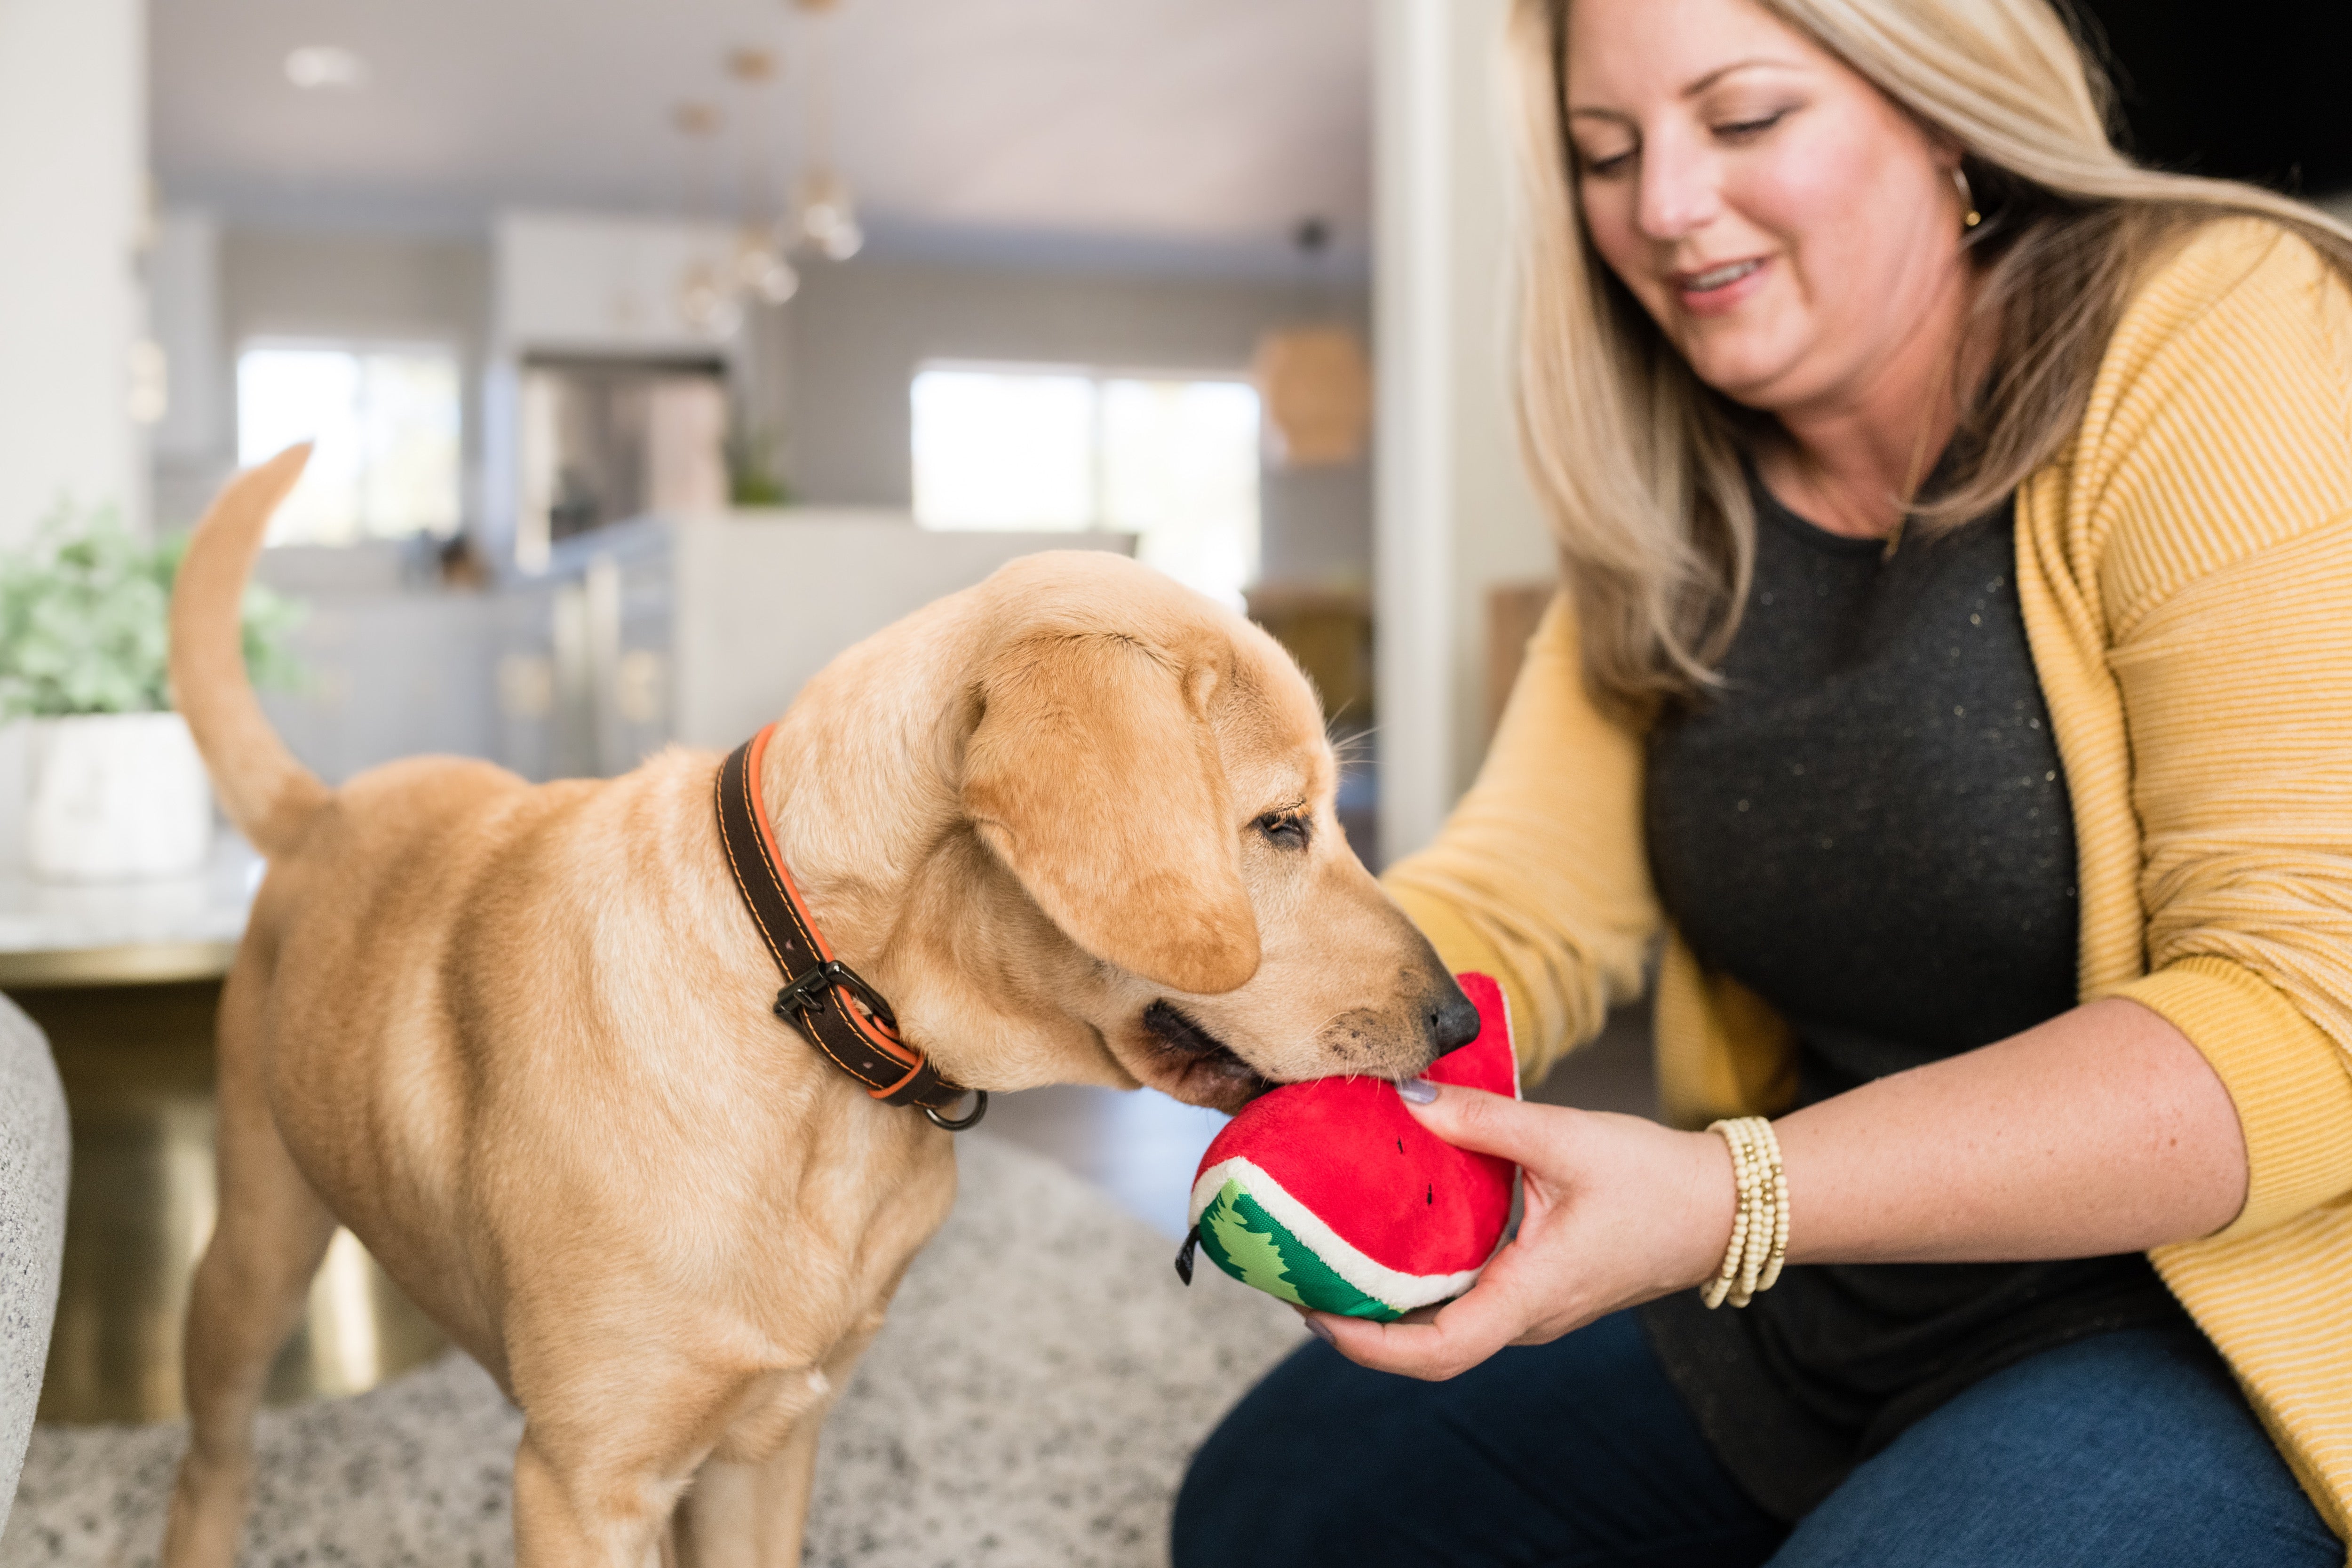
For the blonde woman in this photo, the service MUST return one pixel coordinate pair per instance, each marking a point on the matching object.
(1955, 669)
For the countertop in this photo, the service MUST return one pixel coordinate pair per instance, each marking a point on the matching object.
(183, 928)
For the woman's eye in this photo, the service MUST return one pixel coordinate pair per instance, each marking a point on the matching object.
(1286, 828)
(1613, 164)
(1742, 130)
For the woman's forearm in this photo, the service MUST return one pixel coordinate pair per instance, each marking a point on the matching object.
(2101, 1131)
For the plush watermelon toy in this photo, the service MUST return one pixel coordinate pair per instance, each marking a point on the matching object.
(1330, 1195)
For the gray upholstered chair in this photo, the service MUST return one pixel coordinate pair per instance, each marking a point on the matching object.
(34, 1151)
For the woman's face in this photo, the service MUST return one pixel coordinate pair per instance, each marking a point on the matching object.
(1792, 232)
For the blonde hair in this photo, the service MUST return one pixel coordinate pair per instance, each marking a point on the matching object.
(1639, 464)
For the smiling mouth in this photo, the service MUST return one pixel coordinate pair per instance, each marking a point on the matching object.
(1203, 1069)
(1715, 277)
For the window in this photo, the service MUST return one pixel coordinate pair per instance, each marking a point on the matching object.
(386, 422)
(1171, 459)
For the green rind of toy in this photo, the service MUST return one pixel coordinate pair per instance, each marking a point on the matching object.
(1253, 1247)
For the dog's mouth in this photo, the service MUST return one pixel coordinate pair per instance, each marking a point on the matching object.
(1196, 1066)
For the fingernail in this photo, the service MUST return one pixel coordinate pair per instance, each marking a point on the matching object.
(1417, 1090)
(1314, 1326)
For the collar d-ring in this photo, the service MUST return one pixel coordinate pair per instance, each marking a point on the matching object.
(958, 1123)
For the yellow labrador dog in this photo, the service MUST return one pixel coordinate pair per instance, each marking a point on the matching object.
(1076, 824)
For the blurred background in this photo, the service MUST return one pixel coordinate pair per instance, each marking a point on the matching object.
(654, 353)
(584, 302)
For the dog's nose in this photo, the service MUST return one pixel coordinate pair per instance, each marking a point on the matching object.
(1452, 1020)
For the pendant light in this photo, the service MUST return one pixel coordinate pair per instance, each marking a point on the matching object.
(828, 213)
(1314, 379)
(714, 291)
(762, 272)
(706, 288)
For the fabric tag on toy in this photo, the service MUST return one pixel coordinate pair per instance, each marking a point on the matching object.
(1331, 1195)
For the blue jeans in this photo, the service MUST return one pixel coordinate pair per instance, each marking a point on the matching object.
(2126, 1448)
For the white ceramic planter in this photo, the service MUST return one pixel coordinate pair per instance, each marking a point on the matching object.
(116, 797)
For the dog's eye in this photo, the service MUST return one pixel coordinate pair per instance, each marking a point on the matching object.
(1288, 828)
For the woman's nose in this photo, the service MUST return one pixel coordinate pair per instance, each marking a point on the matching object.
(1679, 193)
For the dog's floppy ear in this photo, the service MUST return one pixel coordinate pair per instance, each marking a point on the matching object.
(1094, 775)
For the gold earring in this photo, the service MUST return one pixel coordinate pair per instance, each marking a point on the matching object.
(1969, 217)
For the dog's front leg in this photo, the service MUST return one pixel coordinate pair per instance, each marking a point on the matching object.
(750, 1515)
(572, 1518)
(753, 1513)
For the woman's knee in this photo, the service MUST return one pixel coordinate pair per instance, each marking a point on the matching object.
(2132, 1447)
(1286, 1465)
(1579, 1450)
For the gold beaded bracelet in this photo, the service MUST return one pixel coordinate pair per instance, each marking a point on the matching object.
(1760, 1232)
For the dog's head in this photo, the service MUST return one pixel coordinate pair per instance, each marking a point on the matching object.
(1152, 852)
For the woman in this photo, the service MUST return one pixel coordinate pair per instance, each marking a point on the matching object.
(1956, 666)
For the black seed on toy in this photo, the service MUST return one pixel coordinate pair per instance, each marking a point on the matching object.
(1432, 1196)
(1400, 1145)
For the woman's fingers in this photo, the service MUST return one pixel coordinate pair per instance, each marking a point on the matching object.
(1490, 1123)
(1464, 1332)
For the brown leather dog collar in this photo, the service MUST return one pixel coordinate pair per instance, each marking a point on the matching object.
(839, 1012)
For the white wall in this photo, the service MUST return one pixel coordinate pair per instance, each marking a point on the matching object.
(595, 283)
(1455, 515)
(194, 446)
(73, 149)
(849, 341)
(183, 314)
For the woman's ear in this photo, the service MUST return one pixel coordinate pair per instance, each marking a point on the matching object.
(1094, 775)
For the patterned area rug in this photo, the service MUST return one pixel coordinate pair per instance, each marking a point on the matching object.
(1033, 1401)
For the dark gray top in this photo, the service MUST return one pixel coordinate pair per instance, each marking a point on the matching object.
(1870, 828)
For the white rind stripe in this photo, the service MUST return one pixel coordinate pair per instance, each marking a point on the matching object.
(1382, 1283)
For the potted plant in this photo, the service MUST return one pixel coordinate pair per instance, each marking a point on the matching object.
(117, 790)
(755, 475)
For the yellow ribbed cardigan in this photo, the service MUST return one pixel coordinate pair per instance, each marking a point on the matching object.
(2185, 572)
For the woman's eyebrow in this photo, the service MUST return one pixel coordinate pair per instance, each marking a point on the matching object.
(1760, 62)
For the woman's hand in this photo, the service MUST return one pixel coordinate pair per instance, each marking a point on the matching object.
(1618, 1211)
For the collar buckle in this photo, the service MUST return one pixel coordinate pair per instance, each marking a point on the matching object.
(806, 988)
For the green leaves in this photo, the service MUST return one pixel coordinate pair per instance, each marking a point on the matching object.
(84, 618)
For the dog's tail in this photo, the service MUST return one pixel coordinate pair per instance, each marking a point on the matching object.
(269, 795)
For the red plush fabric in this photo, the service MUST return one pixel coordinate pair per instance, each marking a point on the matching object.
(1348, 1150)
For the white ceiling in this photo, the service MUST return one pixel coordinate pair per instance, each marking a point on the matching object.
(1188, 134)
